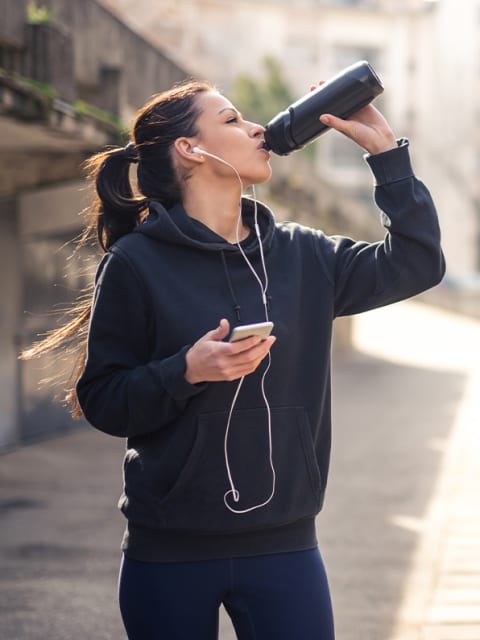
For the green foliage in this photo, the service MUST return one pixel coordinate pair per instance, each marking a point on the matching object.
(83, 108)
(261, 99)
(44, 88)
(38, 15)
(275, 86)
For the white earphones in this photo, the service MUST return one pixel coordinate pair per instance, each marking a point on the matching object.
(212, 155)
(263, 287)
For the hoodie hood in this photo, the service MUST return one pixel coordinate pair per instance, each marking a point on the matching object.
(175, 226)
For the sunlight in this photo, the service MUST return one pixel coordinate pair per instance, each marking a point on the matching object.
(416, 334)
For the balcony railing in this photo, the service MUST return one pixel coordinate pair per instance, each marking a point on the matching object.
(76, 51)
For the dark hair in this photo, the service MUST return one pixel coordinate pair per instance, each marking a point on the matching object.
(166, 117)
(116, 209)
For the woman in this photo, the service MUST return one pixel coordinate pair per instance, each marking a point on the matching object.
(226, 463)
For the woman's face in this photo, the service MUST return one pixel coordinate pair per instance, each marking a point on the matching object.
(224, 133)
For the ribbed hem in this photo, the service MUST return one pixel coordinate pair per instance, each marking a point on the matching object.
(392, 165)
(151, 545)
(172, 372)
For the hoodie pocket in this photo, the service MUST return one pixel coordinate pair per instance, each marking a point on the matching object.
(196, 501)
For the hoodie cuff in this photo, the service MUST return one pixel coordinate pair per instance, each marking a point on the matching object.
(391, 166)
(172, 374)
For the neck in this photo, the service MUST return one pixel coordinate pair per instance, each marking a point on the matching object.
(218, 209)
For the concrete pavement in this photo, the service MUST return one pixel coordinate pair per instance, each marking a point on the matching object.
(435, 498)
(400, 532)
(441, 596)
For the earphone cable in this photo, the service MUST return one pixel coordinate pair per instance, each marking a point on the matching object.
(263, 288)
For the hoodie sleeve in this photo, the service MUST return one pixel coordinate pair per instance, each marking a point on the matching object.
(408, 261)
(121, 391)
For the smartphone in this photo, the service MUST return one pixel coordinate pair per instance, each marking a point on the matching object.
(262, 329)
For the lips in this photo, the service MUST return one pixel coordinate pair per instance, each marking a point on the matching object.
(262, 147)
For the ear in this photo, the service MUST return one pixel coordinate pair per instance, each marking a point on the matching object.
(184, 150)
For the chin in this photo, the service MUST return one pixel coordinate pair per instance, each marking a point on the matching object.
(261, 176)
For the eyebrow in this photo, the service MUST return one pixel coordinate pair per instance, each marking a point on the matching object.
(230, 109)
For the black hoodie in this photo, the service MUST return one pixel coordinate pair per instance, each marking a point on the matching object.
(162, 287)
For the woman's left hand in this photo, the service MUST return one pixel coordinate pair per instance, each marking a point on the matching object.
(367, 127)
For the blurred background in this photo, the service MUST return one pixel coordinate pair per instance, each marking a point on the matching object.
(73, 73)
(401, 530)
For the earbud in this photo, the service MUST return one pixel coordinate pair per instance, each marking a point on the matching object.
(212, 155)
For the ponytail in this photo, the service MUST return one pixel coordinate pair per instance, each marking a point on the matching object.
(116, 210)
(114, 213)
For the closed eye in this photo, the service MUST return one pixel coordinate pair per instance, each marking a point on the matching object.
(234, 117)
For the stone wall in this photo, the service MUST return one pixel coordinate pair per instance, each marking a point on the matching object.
(67, 86)
(12, 21)
(10, 309)
(84, 52)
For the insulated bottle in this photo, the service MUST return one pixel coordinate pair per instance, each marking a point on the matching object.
(342, 95)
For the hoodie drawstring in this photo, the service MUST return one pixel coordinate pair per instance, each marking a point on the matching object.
(236, 306)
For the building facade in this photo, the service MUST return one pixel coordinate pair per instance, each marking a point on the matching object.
(71, 74)
(426, 52)
(446, 123)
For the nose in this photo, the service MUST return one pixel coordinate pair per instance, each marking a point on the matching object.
(256, 130)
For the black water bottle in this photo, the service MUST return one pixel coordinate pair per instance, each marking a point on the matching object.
(344, 94)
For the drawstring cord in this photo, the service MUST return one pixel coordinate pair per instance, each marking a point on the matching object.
(236, 306)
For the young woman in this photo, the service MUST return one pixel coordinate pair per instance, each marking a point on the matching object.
(228, 443)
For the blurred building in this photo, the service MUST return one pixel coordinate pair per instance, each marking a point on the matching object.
(426, 52)
(445, 123)
(71, 74)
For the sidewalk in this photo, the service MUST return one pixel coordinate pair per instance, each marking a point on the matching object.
(59, 539)
(441, 598)
(400, 532)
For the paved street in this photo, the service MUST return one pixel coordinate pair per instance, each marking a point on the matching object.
(401, 527)
(400, 532)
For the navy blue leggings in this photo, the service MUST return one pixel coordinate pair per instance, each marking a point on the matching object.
(280, 596)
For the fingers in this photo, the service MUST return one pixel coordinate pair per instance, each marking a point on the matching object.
(250, 354)
(224, 362)
(315, 86)
(211, 359)
(366, 127)
(245, 344)
(242, 363)
(343, 126)
(219, 333)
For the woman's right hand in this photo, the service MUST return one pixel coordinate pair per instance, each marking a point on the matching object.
(211, 359)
